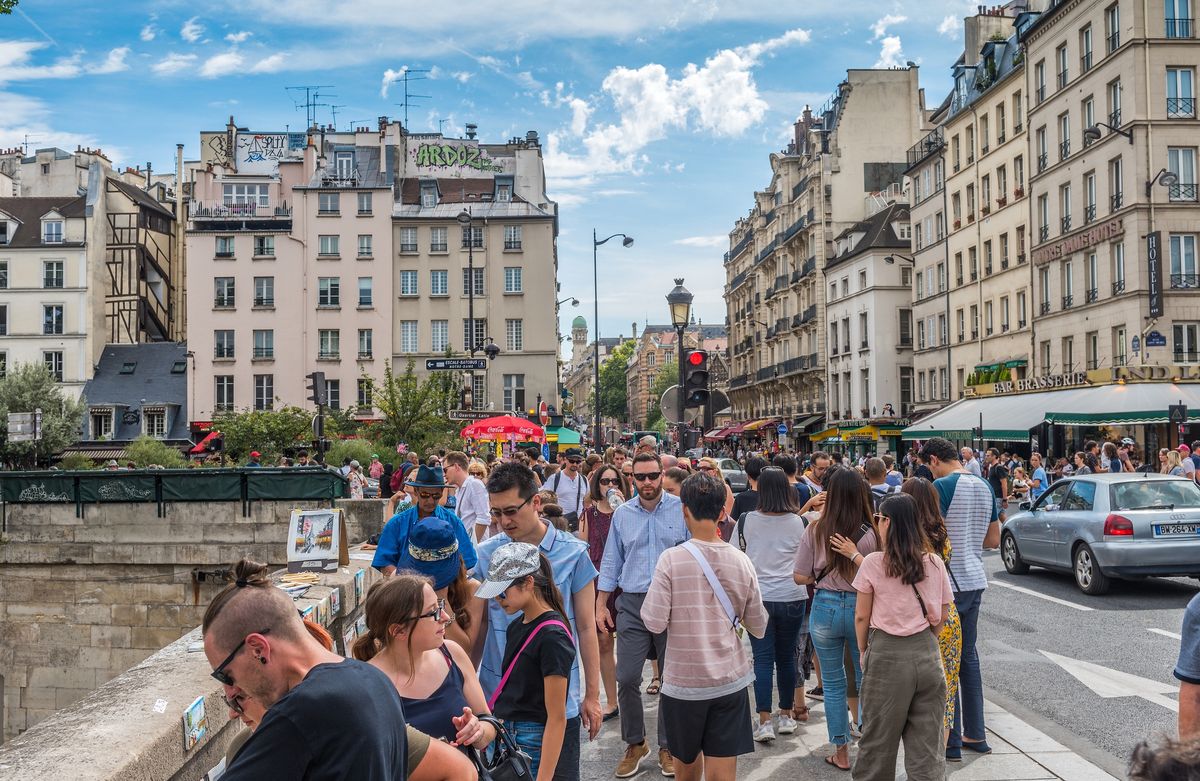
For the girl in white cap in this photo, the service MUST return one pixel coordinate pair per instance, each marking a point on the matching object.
(531, 698)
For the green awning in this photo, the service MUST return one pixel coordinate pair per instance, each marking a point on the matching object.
(566, 436)
(1004, 419)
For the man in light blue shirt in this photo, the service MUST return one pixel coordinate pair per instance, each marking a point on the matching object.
(641, 530)
(516, 508)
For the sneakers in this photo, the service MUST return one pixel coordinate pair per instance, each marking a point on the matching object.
(785, 725)
(765, 733)
(666, 763)
(816, 693)
(632, 762)
(856, 731)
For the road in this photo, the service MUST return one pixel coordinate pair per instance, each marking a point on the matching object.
(1017, 631)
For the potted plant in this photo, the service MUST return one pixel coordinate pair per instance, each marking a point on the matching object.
(971, 217)
(957, 224)
(1019, 192)
(1002, 201)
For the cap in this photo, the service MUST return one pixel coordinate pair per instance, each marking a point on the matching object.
(355, 464)
(1184, 449)
(573, 452)
(255, 454)
(374, 455)
(432, 551)
(1128, 441)
(112, 462)
(509, 562)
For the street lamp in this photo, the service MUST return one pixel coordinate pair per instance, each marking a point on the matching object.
(1092, 134)
(1165, 178)
(679, 300)
(574, 302)
(627, 242)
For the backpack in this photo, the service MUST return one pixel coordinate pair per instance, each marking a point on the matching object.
(878, 497)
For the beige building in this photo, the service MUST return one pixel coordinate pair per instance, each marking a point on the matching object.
(579, 374)
(776, 287)
(1112, 123)
(510, 248)
(657, 347)
(972, 283)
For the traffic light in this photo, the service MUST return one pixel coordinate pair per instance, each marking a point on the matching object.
(695, 378)
(316, 389)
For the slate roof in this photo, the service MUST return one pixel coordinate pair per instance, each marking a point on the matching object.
(29, 212)
(141, 197)
(878, 233)
(151, 380)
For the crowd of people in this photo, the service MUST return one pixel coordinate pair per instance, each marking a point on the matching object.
(522, 601)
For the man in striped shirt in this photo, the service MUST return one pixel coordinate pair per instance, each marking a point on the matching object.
(972, 522)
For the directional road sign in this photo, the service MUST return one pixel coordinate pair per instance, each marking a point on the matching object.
(472, 414)
(454, 364)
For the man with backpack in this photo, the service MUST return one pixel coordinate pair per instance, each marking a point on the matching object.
(877, 472)
(569, 486)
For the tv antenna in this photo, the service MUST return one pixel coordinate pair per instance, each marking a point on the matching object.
(333, 110)
(27, 142)
(406, 77)
(312, 97)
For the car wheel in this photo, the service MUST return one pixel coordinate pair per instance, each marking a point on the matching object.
(1088, 575)
(1013, 562)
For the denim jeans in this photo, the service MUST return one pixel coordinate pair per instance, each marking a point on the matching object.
(831, 627)
(776, 652)
(968, 716)
(528, 736)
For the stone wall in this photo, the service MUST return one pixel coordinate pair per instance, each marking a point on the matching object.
(131, 727)
(82, 600)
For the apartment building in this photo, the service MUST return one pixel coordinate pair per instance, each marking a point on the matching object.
(972, 275)
(289, 242)
(475, 263)
(579, 374)
(1113, 186)
(775, 270)
(657, 347)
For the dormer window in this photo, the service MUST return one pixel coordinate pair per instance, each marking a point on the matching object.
(344, 162)
(504, 190)
(5, 235)
(429, 195)
(52, 232)
(154, 422)
(102, 422)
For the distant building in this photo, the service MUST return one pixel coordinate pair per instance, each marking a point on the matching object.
(579, 375)
(656, 348)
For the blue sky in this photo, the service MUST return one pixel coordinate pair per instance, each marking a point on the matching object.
(657, 117)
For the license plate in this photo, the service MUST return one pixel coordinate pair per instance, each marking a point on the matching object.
(1175, 529)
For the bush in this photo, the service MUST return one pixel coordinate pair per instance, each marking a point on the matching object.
(358, 449)
(76, 462)
(145, 451)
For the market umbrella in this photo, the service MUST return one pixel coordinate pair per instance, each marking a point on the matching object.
(502, 426)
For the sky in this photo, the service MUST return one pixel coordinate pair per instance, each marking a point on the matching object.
(657, 118)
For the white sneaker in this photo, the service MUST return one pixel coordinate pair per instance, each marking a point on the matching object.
(856, 731)
(785, 725)
(764, 733)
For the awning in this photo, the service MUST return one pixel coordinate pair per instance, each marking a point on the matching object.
(759, 424)
(806, 422)
(566, 436)
(1008, 364)
(1114, 405)
(828, 433)
(1005, 418)
(736, 428)
(716, 433)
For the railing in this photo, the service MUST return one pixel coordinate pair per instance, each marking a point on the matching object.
(1044, 233)
(1063, 78)
(766, 373)
(264, 301)
(328, 355)
(1091, 296)
(222, 352)
(206, 210)
(1020, 258)
(1064, 150)
(1041, 162)
(1118, 287)
(1065, 222)
(1187, 356)
(1085, 62)
(1113, 42)
(1181, 107)
(1068, 302)
(1178, 28)
(929, 145)
(1182, 192)
(1185, 281)
(809, 266)
(1044, 308)
(809, 314)
(740, 381)
(1116, 200)
(1040, 93)
(510, 244)
(264, 352)
(1089, 213)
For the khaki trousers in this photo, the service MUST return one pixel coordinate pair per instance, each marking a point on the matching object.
(903, 697)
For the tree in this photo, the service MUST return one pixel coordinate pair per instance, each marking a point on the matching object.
(26, 388)
(270, 432)
(359, 450)
(7, 6)
(76, 462)
(415, 411)
(146, 451)
(667, 376)
(614, 398)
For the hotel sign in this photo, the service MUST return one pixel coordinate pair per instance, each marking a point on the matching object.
(1099, 234)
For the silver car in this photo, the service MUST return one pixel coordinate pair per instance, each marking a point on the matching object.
(1105, 526)
(732, 471)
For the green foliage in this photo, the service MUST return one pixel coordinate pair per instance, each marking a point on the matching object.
(7, 6)
(359, 450)
(76, 462)
(415, 411)
(269, 432)
(30, 386)
(146, 451)
(614, 396)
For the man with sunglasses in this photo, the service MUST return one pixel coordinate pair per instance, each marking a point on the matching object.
(516, 507)
(429, 484)
(569, 486)
(327, 717)
(639, 533)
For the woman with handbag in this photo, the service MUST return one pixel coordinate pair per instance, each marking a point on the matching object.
(903, 599)
(531, 698)
(406, 639)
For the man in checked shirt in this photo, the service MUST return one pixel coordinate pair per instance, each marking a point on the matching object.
(640, 532)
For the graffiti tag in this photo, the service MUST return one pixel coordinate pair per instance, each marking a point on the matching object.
(447, 156)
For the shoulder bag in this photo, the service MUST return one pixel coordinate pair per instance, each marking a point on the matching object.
(500, 686)
(921, 602)
(718, 589)
(503, 760)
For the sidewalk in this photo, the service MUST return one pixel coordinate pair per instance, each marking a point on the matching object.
(1020, 752)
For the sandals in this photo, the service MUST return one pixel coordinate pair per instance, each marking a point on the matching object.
(800, 714)
(655, 685)
(829, 760)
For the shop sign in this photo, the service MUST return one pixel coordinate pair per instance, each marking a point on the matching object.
(1154, 264)
(1045, 382)
(1100, 234)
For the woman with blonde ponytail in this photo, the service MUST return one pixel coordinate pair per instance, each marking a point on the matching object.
(406, 639)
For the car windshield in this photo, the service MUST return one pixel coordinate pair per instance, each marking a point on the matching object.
(733, 465)
(1151, 494)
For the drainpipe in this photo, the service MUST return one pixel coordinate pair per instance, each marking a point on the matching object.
(179, 268)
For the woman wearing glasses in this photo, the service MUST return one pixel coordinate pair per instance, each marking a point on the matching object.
(593, 527)
(406, 639)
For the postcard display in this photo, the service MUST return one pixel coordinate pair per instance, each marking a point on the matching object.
(317, 541)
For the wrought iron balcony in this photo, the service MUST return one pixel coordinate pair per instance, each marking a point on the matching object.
(1044, 308)
(1116, 201)
(1178, 28)
(1068, 302)
(1118, 287)
(1089, 213)
(213, 210)
(1091, 296)
(1179, 108)
(1185, 281)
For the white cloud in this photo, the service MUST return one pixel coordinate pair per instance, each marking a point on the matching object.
(390, 77)
(173, 63)
(950, 26)
(703, 241)
(890, 53)
(270, 64)
(191, 30)
(27, 116)
(222, 64)
(580, 111)
(238, 37)
(882, 24)
(462, 76)
(114, 63)
(149, 32)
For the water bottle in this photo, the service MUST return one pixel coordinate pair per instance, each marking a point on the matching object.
(615, 499)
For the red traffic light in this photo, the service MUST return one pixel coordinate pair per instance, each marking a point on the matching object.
(697, 357)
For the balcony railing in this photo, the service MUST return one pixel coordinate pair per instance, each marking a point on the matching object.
(1085, 62)
(263, 301)
(809, 314)
(212, 210)
(328, 355)
(1089, 213)
(1178, 108)
(1116, 201)
(1187, 356)
(1040, 93)
(1065, 222)
(1182, 192)
(1185, 281)
(1063, 78)
(1118, 287)
(221, 351)
(223, 302)
(1068, 302)
(1041, 162)
(1091, 296)
(512, 244)
(1064, 150)
(1178, 28)
(1044, 308)
(264, 352)
(1113, 42)
(1044, 233)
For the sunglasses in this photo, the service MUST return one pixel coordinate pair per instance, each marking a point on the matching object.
(880, 517)
(575, 461)
(508, 512)
(429, 494)
(706, 468)
(610, 481)
(220, 673)
(643, 476)
(234, 704)
(435, 613)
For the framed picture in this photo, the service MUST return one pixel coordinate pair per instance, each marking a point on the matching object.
(195, 724)
(348, 638)
(360, 580)
(335, 603)
(317, 540)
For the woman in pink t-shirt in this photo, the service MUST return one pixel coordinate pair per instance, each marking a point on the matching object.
(903, 598)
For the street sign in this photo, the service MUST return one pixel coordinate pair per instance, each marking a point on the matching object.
(1177, 414)
(1136, 344)
(782, 429)
(1156, 339)
(669, 406)
(22, 427)
(454, 364)
(470, 414)
(544, 414)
